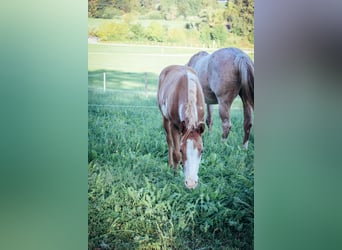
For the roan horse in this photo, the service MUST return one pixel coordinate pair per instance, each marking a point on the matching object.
(181, 102)
(224, 74)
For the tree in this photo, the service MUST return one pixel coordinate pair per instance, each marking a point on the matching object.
(240, 16)
(92, 8)
(126, 5)
(169, 9)
(219, 34)
(205, 34)
(188, 8)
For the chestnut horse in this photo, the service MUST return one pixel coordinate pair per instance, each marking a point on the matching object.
(224, 74)
(181, 102)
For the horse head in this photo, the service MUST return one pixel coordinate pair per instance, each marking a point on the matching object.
(191, 149)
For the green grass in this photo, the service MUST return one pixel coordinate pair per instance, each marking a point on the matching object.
(136, 58)
(134, 200)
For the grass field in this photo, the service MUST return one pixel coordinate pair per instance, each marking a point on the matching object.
(134, 200)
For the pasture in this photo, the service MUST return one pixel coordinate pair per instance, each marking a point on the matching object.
(134, 200)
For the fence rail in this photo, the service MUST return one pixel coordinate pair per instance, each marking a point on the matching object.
(166, 45)
(140, 106)
(104, 77)
(144, 92)
(123, 106)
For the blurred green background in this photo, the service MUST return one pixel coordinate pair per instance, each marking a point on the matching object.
(44, 125)
(43, 179)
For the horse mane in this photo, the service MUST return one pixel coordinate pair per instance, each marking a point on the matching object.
(191, 108)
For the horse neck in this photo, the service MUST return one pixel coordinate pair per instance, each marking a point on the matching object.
(186, 135)
(191, 107)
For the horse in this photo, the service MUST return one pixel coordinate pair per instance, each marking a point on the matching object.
(223, 75)
(181, 102)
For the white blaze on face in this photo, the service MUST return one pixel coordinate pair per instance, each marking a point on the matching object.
(191, 165)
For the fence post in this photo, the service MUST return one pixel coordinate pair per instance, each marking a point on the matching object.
(104, 81)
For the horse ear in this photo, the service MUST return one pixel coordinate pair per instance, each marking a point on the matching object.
(201, 128)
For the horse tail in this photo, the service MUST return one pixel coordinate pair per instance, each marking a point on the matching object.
(246, 71)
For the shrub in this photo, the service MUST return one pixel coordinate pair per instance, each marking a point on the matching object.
(192, 37)
(219, 33)
(113, 31)
(137, 32)
(251, 37)
(170, 13)
(130, 17)
(154, 15)
(109, 12)
(205, 36)
(92, 32)
(156, 32)
(177, 35)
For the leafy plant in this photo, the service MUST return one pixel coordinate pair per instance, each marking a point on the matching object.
(112, 31)
(155, 32)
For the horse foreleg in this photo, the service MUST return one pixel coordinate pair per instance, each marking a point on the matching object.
(176, 149)
(209, 120)
(167, 127)
(247, 123)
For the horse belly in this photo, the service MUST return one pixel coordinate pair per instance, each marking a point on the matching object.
(210, 97)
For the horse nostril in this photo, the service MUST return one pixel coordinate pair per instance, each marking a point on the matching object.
(191, 184)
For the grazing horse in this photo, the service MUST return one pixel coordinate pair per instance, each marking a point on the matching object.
(224, 74)
(181, 102)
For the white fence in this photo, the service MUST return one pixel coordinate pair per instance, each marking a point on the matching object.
(145, 93)
(104, 77)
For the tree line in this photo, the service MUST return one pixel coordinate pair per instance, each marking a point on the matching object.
(205, 20)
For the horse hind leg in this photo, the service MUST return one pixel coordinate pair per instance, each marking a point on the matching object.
(224, 112)
(209, 120)
(247, 123)
(225, 102)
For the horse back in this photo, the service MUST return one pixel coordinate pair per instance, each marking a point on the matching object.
(173, 93)
(226, 71)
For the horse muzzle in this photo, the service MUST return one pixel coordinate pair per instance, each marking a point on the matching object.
(190, 183)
